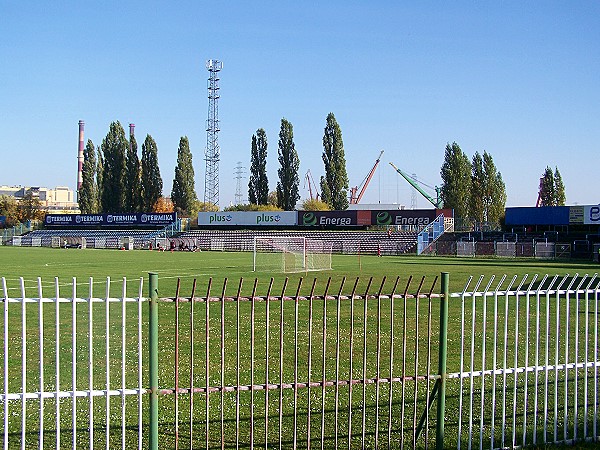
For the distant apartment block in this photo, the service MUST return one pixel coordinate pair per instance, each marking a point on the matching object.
(57, 200)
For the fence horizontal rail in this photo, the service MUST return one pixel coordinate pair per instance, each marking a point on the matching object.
(71, 300)
(71, 394)
(300, 298)
(509, 371)
(276, 386)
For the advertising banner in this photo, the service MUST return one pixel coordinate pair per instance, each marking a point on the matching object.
(591, 215)
(328, 218)
(403, 217)
(110, 220)
(576, 214)
(247, 218)
(547, 215)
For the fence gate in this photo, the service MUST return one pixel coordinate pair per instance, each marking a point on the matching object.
(465, 248)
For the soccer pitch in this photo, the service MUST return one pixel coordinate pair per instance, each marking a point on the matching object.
(66, 264)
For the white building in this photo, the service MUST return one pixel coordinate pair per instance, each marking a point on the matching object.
(57, 200)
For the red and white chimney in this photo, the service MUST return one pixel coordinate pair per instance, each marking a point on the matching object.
(80, 158)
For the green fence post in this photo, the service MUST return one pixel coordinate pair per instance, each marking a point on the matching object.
(153, 347)
(441, 403)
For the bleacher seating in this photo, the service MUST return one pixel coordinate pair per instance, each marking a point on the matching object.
(526, 243)
(107, 238)
(344, 242)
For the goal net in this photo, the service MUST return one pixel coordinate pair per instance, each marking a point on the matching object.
(291, 254)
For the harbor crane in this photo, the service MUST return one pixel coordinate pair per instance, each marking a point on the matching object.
(308, 179)
(416, 184)
(355, 194)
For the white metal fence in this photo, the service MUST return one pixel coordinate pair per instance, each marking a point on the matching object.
(528, 362)
(522, 366)
(65, 357)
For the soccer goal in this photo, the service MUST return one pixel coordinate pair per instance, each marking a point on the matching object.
(291, 254)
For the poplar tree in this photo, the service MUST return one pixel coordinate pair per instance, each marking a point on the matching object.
(546, 192)
(476, 204)
(183, 194)
(456, 180)
(559, 189)
(488, 192)
(258, 185)
(87, 196)
(133, 198)
(289, 181)
(494, 191)
(151, 183)
(552, 188)
(336, 177)
(99, 179)
(114, 149)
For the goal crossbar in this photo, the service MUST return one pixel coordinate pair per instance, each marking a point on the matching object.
(291, 254)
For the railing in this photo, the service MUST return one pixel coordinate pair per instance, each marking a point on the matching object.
(431, 233)
(528, 370)
(540, 249)
(352, 364)
(17, 230)
(65, 358)
(167, 232)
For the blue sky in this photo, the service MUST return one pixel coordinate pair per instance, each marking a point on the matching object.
(516, 79)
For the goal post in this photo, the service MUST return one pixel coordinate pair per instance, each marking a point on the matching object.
(291, 254)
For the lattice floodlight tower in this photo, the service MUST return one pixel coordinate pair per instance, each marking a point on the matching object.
(213, 152)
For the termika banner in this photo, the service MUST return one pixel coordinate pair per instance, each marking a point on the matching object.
(110, 220)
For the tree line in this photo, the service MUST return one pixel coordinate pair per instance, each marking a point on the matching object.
(334, 185)
(475, 189)
(116, 180)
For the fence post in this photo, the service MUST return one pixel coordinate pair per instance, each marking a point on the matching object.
(153, 358)
(441, 401)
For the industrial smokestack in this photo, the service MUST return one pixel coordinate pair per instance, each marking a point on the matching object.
(80, 158)
(131, 129)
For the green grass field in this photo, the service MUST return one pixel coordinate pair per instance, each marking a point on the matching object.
(31, 263)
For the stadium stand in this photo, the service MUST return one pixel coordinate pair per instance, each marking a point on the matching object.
(543, 244)
(93, 238)
(344, 242)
